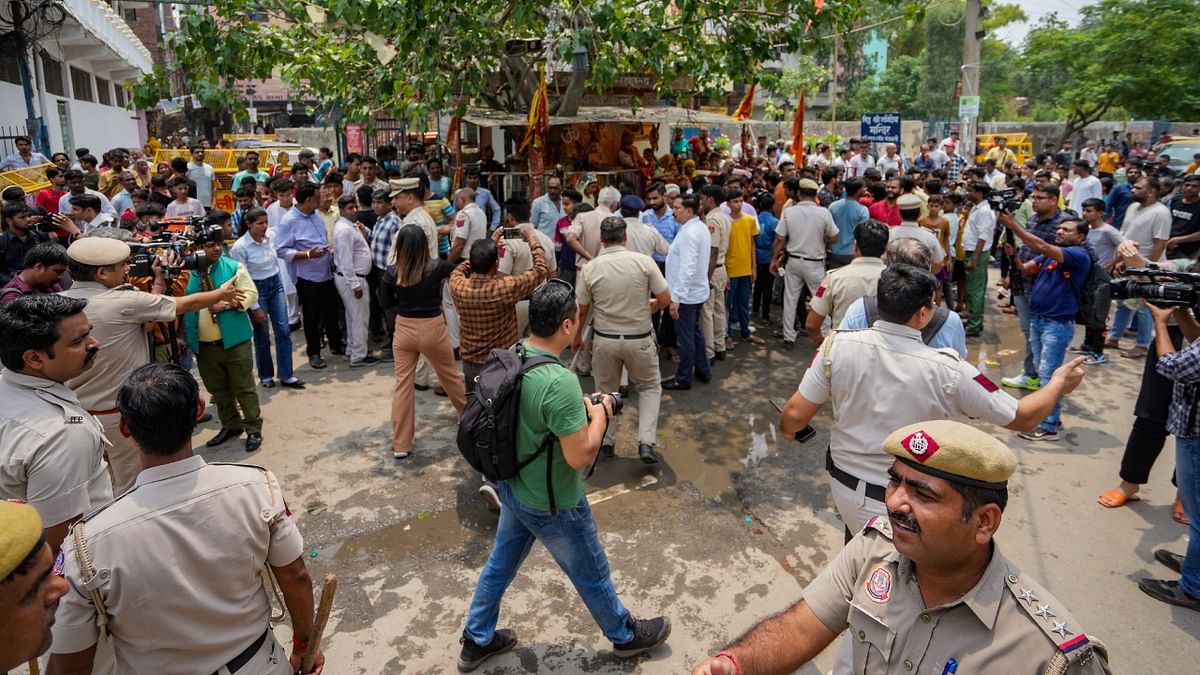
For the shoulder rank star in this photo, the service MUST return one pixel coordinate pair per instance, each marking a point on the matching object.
(1044, 612)
(1060, 627)
(1027, 596)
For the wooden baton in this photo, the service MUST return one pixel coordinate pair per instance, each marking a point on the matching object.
(324, 605)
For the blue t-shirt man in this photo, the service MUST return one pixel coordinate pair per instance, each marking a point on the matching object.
(1058, 287)
(765, 241)
(847, 214)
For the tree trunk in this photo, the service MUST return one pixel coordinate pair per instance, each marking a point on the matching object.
(1077, 120)
(567, 105)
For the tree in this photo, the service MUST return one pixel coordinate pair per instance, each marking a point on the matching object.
(1138, 56)
(413, 58)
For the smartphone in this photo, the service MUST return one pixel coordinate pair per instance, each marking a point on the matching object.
(511, 233)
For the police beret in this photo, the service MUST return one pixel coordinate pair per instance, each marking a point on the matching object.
(808, 184)
(20, 531)
(398, 185)
(909, 201)
(953, 451)
(633, 202)
(98, 251)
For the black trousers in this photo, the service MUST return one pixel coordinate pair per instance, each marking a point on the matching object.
(375, 322)
(1149, 432)
(664, 325)
(760, 295)
(319, 305)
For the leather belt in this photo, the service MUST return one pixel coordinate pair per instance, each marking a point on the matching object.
(876, 492)
(362, 276)
(612, 336)
(235, 664)
(810, 259)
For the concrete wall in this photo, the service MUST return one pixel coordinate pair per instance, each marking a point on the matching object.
(311, 137)
(94, 126)
(1051, 132)
(911, 132)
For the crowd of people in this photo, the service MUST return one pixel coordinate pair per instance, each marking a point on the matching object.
(118, 282)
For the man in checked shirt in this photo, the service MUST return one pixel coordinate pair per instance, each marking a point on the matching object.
(487, 313)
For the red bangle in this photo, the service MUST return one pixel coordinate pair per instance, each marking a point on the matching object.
(303, 646)
(737, 667)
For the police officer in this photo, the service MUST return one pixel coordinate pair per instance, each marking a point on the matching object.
(51, 449)
(118, 312)
(864, 373)
(713, 319)
(641, 237)
(842, 286)
(29, 592)
(206, 610)
(622, 289)
(801, 239)
(898, 586)
(910, 210)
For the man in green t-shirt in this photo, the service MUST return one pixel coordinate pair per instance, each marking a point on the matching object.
(553, 403)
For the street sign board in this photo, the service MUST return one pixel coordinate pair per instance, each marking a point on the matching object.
(881, 127)
(968, 106)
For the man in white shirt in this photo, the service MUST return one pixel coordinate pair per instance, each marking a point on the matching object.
(687, 280)
(1086, 186)
(183, 205)
(977, 237)
(76, 187)
(995, 178)
(352, 260)
(937, 154)
(284, 198)
(861, 162)
(203, 176)
(24, 157)
(890, 160)
(85, 211)
(547, 209)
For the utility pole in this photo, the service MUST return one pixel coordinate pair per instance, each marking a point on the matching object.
(970, 73)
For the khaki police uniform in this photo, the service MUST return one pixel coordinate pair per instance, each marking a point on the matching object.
(515, 258)
(713, 317)
(865, 375)
(178, 564)
(907, 230)
(618, 285)
(51, 449)
(1007, 623)
(806, 226)
(119, 317)
(644, 239)
(586, 228)
(842, 286)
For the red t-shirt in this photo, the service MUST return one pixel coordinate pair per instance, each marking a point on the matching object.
(888, 214)
(48, 199)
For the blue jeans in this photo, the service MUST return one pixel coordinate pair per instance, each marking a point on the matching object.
(272, 300)
(1187, 475)
(691, 344)
(737, 303)
(1140, 316)
(570, 536)
(1049, 339)
(1023, 314)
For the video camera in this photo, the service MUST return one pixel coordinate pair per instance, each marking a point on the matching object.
(1003, 201)
(1159, 287)
(185, 237)
(618, 401)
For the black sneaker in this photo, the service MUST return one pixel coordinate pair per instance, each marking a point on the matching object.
(607, 453)
(647, 634)
(1173, 561)
(473, 655)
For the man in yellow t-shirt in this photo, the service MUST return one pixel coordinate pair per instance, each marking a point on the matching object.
(1107, 162)
(739, 263)
(1000, 154)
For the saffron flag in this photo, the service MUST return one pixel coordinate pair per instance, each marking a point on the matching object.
(798, 132)
(746, 108)
(539, 116)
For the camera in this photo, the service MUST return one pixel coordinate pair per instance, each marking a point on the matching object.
(618, 401)
(1004, 201)
(186, 241)
(511, 233)
(1159, 288)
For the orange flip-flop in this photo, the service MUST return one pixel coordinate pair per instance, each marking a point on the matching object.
(1114, 498)
(1177, 513)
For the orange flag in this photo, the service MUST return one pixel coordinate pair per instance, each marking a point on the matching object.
(798, 132)
(539, 116)
(746, 108)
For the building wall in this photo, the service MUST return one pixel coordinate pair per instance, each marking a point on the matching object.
(94, 126)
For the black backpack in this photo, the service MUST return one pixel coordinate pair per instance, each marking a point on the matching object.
(940, 314)
(1094, 298)
(487, 432)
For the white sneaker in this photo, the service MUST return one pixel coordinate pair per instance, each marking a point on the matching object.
(490, 497)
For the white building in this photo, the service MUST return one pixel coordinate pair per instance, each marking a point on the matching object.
(77, 75)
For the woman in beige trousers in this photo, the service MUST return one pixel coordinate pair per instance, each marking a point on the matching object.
(415, 290)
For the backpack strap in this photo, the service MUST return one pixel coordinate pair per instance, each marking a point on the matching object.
(547, 446)
(930, 331)
(871, 308)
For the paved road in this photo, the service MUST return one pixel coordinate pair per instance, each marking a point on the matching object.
(727, 530)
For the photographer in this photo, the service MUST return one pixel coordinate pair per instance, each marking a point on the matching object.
(100, 269)
(1183, 369)
(554, 408)
(1061, 271)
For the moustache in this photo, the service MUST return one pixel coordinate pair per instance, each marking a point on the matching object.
(905, 521)
(91, 353)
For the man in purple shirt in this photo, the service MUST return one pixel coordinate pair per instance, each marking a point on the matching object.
(303, 242)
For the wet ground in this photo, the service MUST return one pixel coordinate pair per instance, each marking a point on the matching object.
(726, 530)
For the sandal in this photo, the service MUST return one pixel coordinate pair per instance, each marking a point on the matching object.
(777, 334)
(1177, 513)
(754, 340)
(1115, 498)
